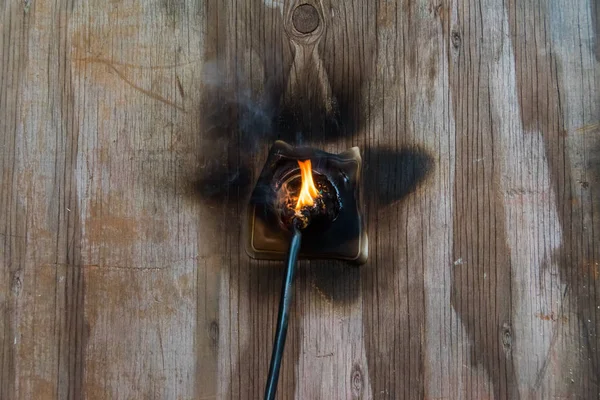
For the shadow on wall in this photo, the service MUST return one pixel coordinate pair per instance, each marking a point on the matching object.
(394, 174)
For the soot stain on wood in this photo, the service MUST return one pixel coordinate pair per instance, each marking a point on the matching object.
(243, 82)
(250, 116)
(218, 184)
(248, 128)
(257, 113)
(392, 175)
(246, 119)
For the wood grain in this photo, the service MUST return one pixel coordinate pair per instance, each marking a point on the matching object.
(132, 133)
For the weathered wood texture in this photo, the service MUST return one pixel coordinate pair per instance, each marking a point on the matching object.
(131, 135)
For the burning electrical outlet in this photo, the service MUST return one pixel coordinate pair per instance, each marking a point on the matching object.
(308, 190)
(303, 202)
(314, 191)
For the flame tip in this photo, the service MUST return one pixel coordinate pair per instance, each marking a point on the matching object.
(308, 191)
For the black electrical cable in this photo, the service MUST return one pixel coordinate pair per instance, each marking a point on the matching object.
(283, 316)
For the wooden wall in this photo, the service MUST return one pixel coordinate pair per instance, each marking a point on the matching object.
(131, 133)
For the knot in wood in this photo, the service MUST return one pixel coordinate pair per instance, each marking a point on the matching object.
(506, 336)
(305, 18)
(213, 333)
(456, 39)
(356, 380)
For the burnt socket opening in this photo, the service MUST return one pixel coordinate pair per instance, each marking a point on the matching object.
(315, 218)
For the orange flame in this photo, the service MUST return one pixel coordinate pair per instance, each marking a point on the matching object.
(308, 192)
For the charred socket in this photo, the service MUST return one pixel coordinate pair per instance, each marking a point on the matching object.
(324, 211)
(332, 225)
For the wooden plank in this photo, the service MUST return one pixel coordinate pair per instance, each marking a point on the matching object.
(12, 235)
(102, 304)
(563, 216)
(131, 135)
(409, 211)
(150, 302)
